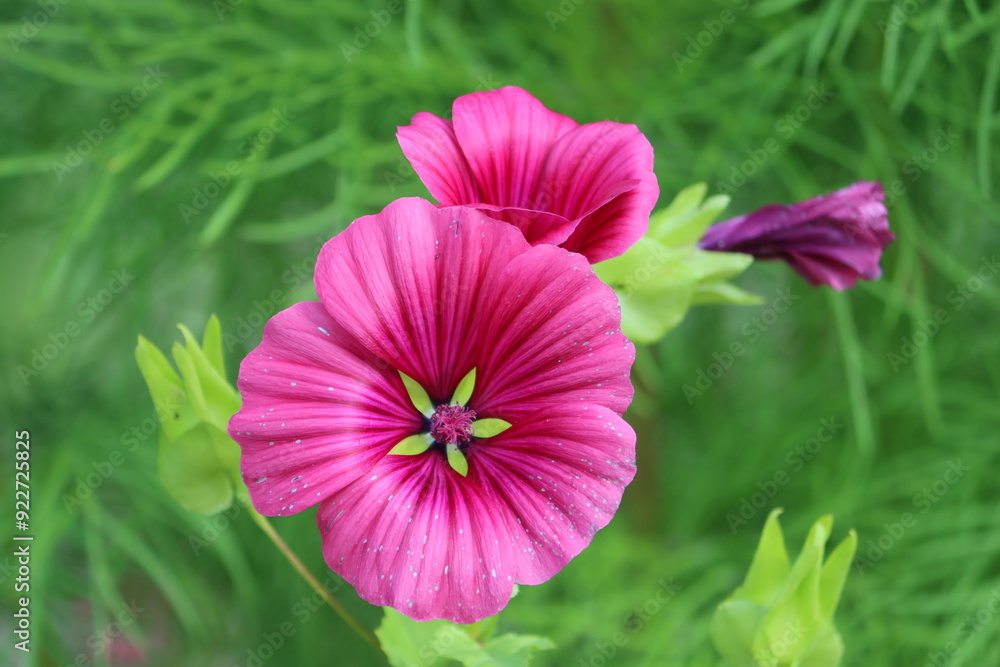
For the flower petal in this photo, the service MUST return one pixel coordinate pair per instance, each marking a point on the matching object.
(418, 537)
(538, 227)
(318, 411)
(601, 175)
(506, 135)
(575, 351)
(429, 143)
(407, 282)
(833, 239)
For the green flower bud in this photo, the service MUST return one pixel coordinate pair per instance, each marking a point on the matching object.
(198, 461)
(660, 277)
(782, 615)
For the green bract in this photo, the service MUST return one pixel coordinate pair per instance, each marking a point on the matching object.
(782, 615)
(665, 273)
(198, 461)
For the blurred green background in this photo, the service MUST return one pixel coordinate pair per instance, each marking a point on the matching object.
(163, 160)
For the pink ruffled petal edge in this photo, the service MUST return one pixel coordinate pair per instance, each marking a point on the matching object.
(414, 535)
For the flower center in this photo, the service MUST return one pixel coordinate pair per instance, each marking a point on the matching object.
(452, 424)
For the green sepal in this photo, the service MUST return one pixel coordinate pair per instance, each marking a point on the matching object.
(456, 459)
(684, 221)
(770, 566)
(463, 392)
(654, 288)
(834, 574)
(665, 273)
(733, 627)
(415, 444)
(166, 389)
(487, 428)
(421, 401)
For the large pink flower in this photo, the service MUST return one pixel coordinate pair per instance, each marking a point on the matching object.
(589, 188)
(428, 503)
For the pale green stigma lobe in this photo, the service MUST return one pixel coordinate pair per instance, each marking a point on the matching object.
(415, 444)
(421, 401)
(465, 388)
(487, 428)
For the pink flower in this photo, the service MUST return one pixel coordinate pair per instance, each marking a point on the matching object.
(453, 405)
(588, 188)
(833, 239)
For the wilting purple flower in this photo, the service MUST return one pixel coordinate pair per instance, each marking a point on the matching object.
(830, 240)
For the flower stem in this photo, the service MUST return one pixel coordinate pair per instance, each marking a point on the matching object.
(283, 547)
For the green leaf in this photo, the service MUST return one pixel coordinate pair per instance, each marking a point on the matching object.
(512, 650)
(192, 472)
(421, 401)
(407, 642)
(415, 444)
(487, 428)
(456, 459)
(435, 643)
(463, 392)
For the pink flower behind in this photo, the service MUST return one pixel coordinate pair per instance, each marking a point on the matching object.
(832, 239)
(589, 188)
(434, 293)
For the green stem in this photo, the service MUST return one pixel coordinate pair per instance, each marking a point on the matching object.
(283, 547)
